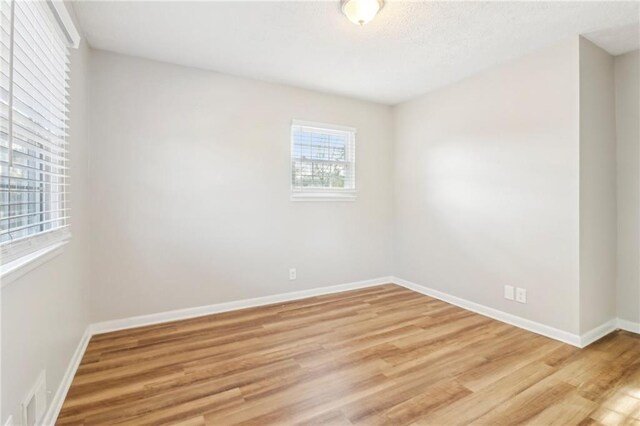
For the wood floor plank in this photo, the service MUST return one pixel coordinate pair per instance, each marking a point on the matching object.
(527, 404)
(375, 356)
(571, 409)
(477, 404)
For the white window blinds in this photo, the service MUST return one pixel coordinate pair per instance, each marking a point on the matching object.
(34, 179)
(323, 163)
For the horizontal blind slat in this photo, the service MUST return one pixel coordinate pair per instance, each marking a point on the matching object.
(25, 160)
(34, 48)
(40, 127)
(36, 130)
(16, 184)
(29, 107)
(31, 148)
(18, 204)
(11, 230)
(27, 132)
(20, 144)
(31, 214)
(322, 159)
(26, 79)
(57, 35)
(28, 93)
(25, 136)
(32, 20)
(28, 56)
(5, 170)
(34, 184)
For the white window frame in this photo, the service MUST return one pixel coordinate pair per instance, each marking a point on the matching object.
(324, 194)
(30, 252)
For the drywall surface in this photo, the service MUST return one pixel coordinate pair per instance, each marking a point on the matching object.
(487, 184)
(190, 178)
(597, 187)
(45, 312)
(627, 74)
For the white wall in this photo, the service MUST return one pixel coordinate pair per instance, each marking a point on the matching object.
(502, 178)
(627, 88)
(190, 190)
(487, 185)
(597, 187)
(45, 312)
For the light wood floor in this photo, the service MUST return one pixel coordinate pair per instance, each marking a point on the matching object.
(382, 355)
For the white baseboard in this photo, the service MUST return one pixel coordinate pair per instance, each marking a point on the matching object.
(536, 327)
(58, 399)
(125, 323)
(579, 341)
(626, 325)
(139, 321)
(598, 333)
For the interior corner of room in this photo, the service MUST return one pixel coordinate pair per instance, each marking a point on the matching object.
(503, 180)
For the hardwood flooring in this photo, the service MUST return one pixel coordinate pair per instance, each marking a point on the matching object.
(381, 355)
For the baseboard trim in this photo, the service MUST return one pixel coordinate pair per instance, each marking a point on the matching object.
(599, 332)
(58, 399)
(533, 326)
(631, 326)
(104, 327)
(161, 317)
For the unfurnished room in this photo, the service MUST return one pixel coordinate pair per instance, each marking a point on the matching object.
(321, 212)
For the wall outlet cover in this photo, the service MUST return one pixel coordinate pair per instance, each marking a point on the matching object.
(509, 292)
(521, 295)
(292, 274)
(34, 405)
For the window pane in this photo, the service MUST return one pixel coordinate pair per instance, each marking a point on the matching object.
(322, 158)
(33, 126)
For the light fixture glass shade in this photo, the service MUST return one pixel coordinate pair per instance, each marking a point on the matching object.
(361, 11)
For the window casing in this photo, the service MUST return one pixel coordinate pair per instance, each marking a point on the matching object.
(323, 161)
(34, 169)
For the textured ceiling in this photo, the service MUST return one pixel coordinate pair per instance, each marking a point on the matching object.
(409, 49)
(617, 40)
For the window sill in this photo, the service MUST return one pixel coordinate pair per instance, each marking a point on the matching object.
(323, 196)
(19, 267)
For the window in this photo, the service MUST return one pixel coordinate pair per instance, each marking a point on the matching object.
(323, 161)
(34, 169)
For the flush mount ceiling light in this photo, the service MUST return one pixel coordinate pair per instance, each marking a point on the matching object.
(361, 11)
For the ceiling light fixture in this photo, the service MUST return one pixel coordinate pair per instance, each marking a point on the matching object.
(361, 11)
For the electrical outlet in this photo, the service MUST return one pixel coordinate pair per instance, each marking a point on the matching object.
(34, 404)
(508, 292)
(521, 295)
(292, 273)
